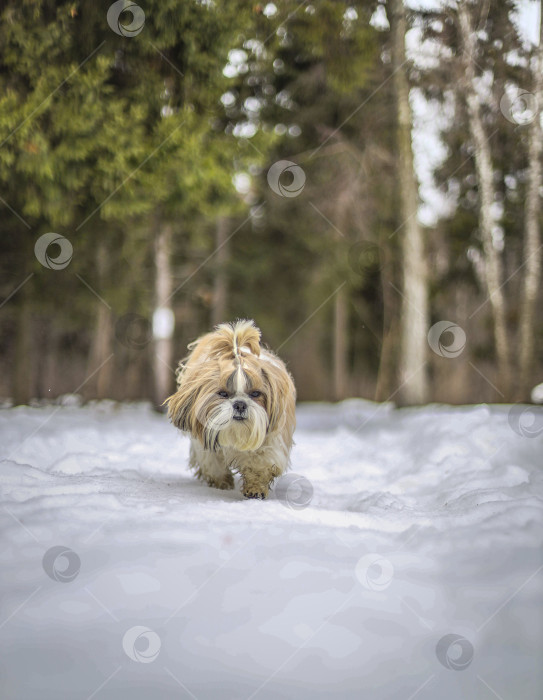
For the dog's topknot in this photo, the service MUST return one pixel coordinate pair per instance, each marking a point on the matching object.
(233, 337)
(229, 340)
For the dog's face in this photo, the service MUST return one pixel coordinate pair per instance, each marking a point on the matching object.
(226, 401)
(232, 407)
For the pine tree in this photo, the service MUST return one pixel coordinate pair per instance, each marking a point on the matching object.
(99, 133)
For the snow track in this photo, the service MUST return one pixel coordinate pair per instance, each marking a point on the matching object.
(424, 523)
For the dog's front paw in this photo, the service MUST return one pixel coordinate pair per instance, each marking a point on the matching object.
(255, 494)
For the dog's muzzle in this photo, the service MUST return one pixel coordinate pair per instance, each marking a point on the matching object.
(240, 410)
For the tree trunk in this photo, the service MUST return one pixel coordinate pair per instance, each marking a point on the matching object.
(415, 313)
(340, 345)
(42, 334)
(220, 286)
(163, 317)
(22, 372)
(388, 358)
(102, 338)
(483, 166)
(532, 252)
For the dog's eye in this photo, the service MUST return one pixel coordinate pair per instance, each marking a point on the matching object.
(224, 394)
(255, 394)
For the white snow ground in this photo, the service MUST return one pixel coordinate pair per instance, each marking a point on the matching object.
(424, 523)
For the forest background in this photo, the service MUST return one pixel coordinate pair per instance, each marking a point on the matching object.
(361, 178)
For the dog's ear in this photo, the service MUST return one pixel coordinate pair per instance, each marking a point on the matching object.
(281, 395)
(181, 407)
(188, 407)
(181, 404)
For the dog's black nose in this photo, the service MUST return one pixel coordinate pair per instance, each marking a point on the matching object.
(239, 406)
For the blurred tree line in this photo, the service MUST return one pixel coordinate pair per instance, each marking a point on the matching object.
(208, 160)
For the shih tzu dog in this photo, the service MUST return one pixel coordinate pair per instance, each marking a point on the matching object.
(237, 401)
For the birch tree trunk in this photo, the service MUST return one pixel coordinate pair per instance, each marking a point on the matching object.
(483, 166)
(220, 285)
(415, 314)
(163, 317)
(532, 245)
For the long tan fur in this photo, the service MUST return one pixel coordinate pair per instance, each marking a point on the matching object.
(231, 360)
